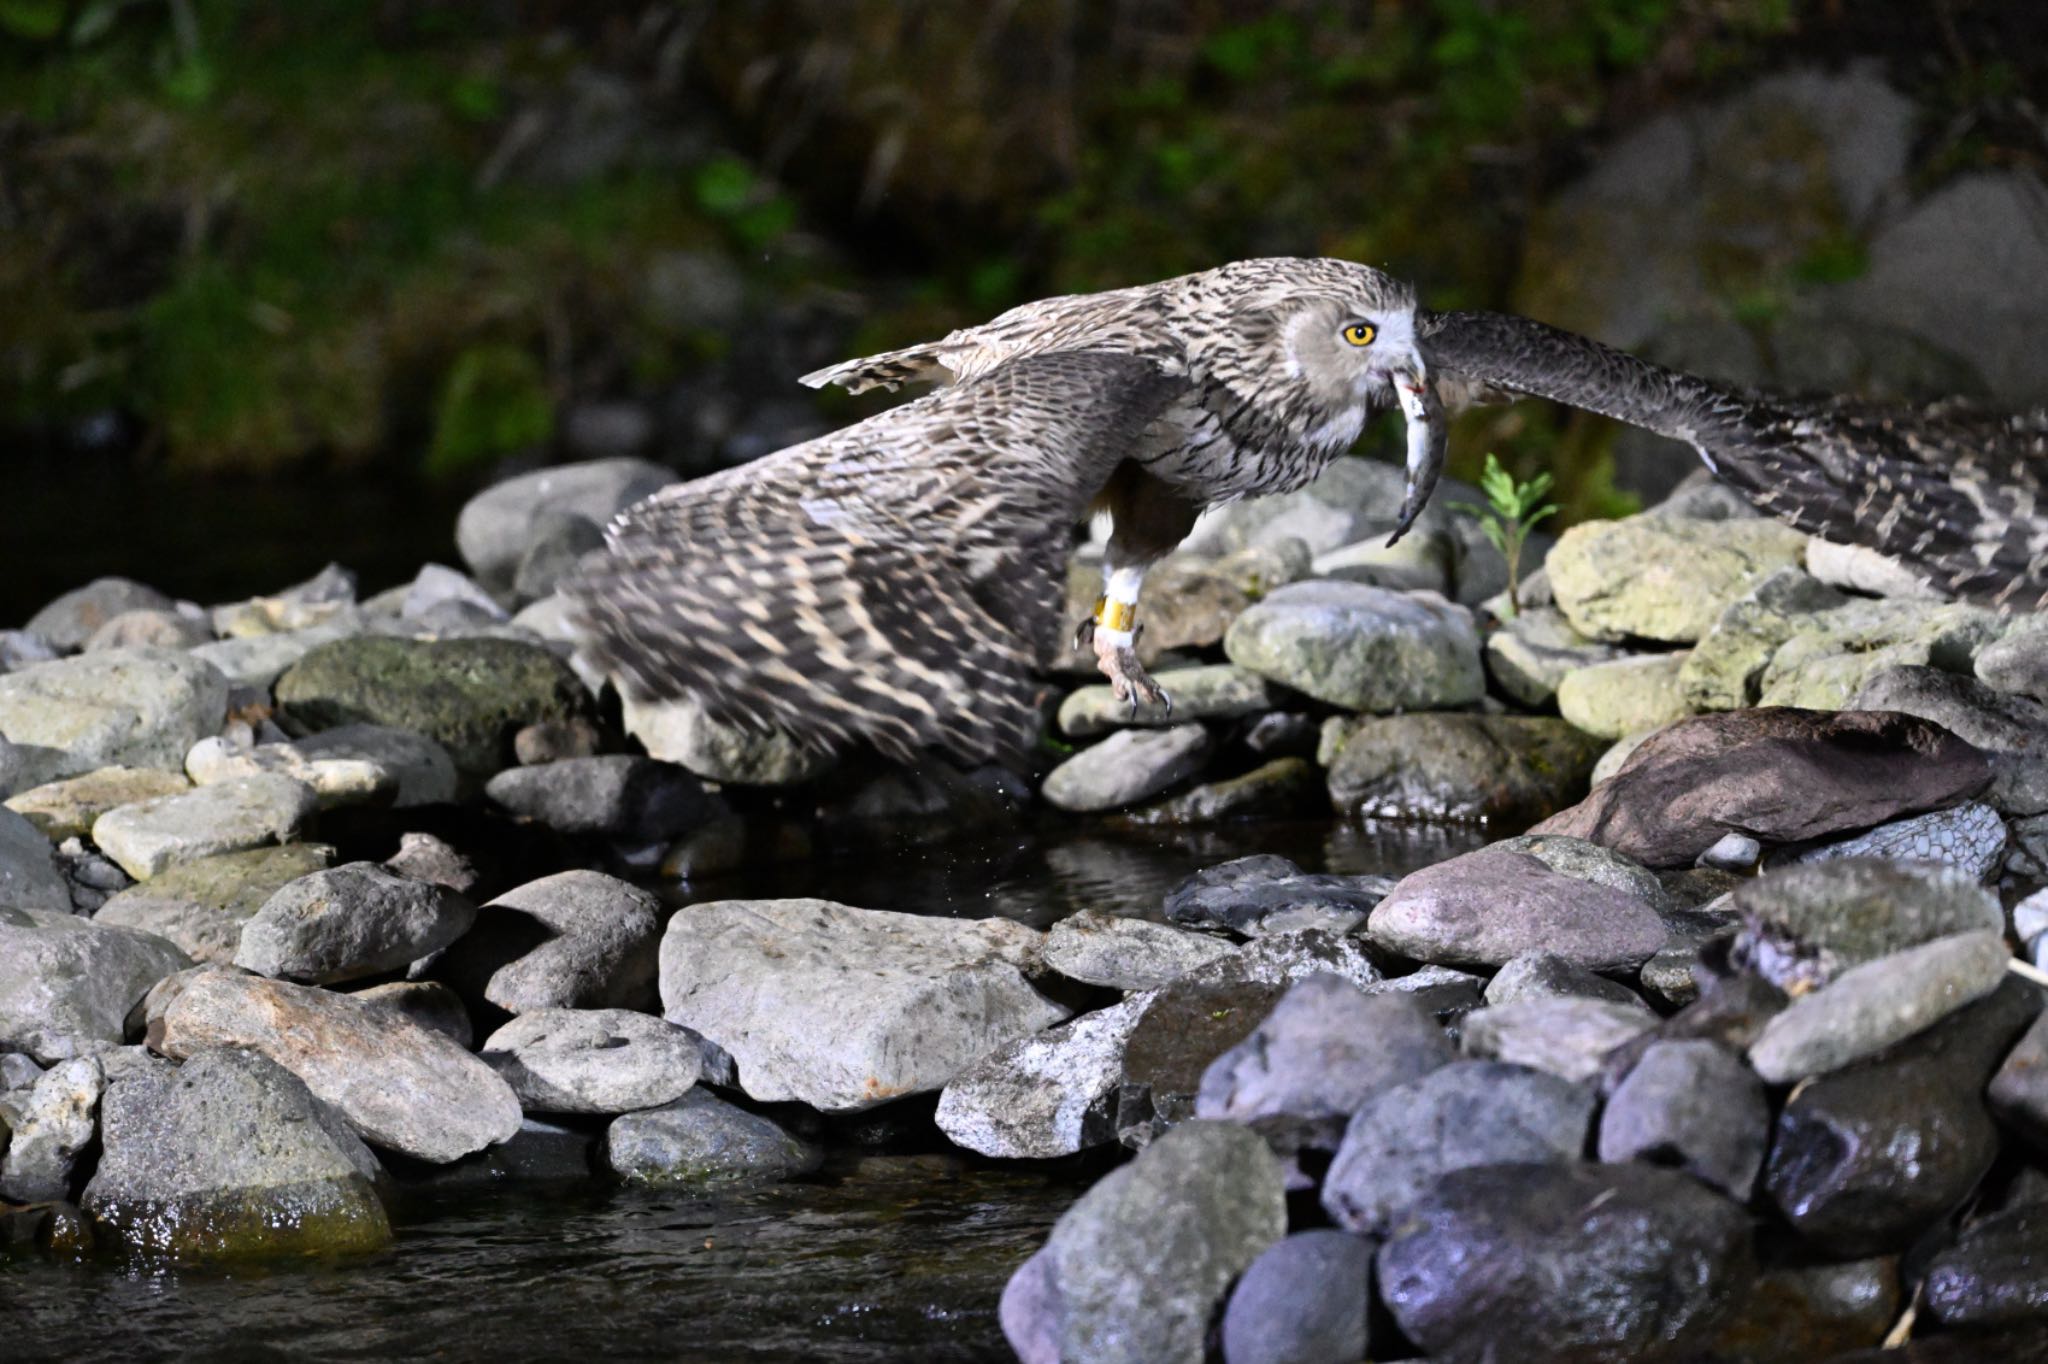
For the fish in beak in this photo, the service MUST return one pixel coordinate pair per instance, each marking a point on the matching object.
(1428, 435)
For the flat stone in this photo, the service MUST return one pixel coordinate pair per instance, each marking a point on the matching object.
(1468, 1113)
(1969, 838)
(1556, 1261)
(1534, 650)
(397, 1084)
(1305, 1298)
(1693, 1105)
(616, 796)
(1362, 648)
(1128, 767)
(1046, 1095)
(1265, 893)
(1460, 768)
(201, 905)
(1487, 907)
(1624, 695)
(351, 921)
(468, 695)
(29, 875)
(424, 770)
(67, 808)
(1325, 1049)
(701, 1139)
(1725, 670)
(1774, 774)
(680, 732)
(847, 1008)
(496, 526)
(58, 1120)
(1098, 948)
(230, 1157)
(593, 1060)
(1805, 925)
(574, 940)
(67, 985)
(248, 812)
(1140, 1264)
(1996, 1274)
(1663, 578)
(121, 708)
(1567, 1037)
(1211, 692)
(334, 782)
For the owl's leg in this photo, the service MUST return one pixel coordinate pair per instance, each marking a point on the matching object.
(1112, 632)
(1148, 517)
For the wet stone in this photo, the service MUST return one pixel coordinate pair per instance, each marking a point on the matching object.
(1050, 1094)
(1325, 1048)
(1804, 925)
(1996, 1274)
(1185, 1026)
(1286, 788)
(1565, 1262)
(1461, 768)
(1362, 648)
(1305, 1298)
(1568, 1037)
(1128, 767)
(701, 1139)
(350, 921)
(1126, 954)
(1468, 1113)
(593, 1060)
(617, 796)
(201, 905)
(1695, 1106)
(1800, 1313)
(1487, 907)
(1266, 893)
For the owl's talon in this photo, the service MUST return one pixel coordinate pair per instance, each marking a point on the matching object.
(1128, 680)
(1084, 633)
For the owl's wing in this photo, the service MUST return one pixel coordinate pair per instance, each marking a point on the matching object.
(895, 582)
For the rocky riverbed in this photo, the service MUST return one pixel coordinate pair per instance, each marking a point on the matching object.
(1692, 1023)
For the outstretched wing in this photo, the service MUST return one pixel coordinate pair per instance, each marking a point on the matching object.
(895, 582)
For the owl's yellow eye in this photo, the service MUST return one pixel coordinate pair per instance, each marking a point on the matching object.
(1361, 333)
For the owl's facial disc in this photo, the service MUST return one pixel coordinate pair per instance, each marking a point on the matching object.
(1385, 350)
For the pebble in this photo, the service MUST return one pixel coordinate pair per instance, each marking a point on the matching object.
(1129, 766)
(1050, 1094)
(1870, 1007)
(846, 1008)
(344, 923)
(247, 812)
(593, 1060)
(1325, 1049)
(701, 1139)
(1304, 1299)
(1362, 648)
(121, 708)
(1460, 768)
(1126, 954)
(68, 984)
(1468, 1113)
(618, 796)
(1568, 1037)
(1211, 692)
(231, 1157)
(1693, 1105)
(201, 905)
(1265, 893)
(1487, 907)
(1564, 1261)
(573, 940)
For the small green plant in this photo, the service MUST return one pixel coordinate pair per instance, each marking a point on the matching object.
(1512, 511)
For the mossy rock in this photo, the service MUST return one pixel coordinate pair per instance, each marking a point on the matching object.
(469, 695)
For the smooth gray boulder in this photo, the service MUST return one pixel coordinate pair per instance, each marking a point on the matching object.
(1488, 907)
(1127, 767)
(701, 1139)
(1098, 948)
(1692, 1104)
(202, 905)
(68, 621)
(123, 707)
(573, 940)
(1325, 1049)
(1305, 1299)
(593, 1060)
(1569, 1037)
(67, 985)
(346, 922)
(614, 795)
(29, 878)
(1363, 648)
(1050, 1094)
(497, 526)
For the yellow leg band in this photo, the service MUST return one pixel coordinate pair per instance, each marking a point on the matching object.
(1115, 615)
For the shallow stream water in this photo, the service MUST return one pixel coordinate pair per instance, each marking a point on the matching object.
(878, 1257)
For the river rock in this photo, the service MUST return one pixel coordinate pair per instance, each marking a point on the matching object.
(1996, 1274)
(248, 812)
(1833, 653)
(256, 661)
(1468, 1113)
(230, 1156)
(29, 875)
(1804, 925)
(1866, 1158)
(1324, 1050)
(424, 771)
(2019, 1091)
(1533, 651)
(1184, 1027)
(1461, 768)
(574, 940)
(201, 905)
(616, 796)
(335, 782)
(1487, 907)
(1267, 893)
(355, 920)
(1663, 578)
(2012, 729)
(1127, 767)
(1693, 1105)
(58, 1121)
(1211, 692)
(496, 527)
(1725, 670)
(1587, 861)
(428, 1003)
(124, 707)
(2018, 662)
(1624, 695)
(445, 600)
(701, 1139)
(1774, 774)
(1305, 1298)
(593, 1060)
(398, 1085)
(1099, 948)
(70, 620)
(1285, 788)
(468, 695)
(1140, 1264)
(1564, 1262)
(1568, 1037)
(67, 984)
(67, 808)
(1545, 975)
(1050, 1094)
(680, 732)
(1362, 648)
(1279, 958)
(149, 629)
(1798, 1313)
(847, 1008)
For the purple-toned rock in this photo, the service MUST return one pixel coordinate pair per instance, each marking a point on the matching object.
(1488, 907)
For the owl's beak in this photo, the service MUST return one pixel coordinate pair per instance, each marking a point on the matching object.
(1427, 437)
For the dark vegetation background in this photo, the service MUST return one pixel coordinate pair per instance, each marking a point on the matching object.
(281, 283)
